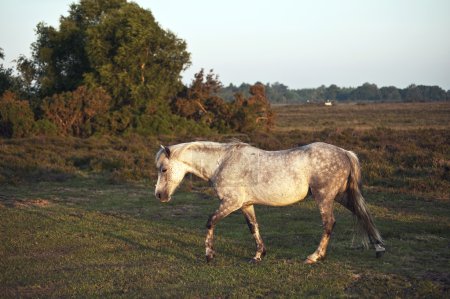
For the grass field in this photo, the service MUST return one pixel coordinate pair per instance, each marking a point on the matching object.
(401, 116)
(78, 218)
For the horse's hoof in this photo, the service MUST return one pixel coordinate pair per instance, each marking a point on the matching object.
(255, 260)
(209, 258)
(379, 253)
(309, 261)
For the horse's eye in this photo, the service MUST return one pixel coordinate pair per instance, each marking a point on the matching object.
(164, 170)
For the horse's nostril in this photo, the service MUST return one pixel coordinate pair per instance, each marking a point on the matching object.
(158, 195)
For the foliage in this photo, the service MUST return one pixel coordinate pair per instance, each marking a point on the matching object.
(16, 117)
(6, 76)
(79, 113)
(252, 113)
(201, 103)
(134, 59)
(280, 93)
(59, 55)
(113, 45)
(44, 127)
(422, 93)
(169, 124)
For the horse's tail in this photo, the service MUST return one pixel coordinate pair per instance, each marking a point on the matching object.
(357, 204)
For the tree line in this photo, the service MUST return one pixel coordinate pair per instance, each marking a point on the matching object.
(280, 93)
(111, 69)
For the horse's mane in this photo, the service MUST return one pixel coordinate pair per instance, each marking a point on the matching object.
(177, 149)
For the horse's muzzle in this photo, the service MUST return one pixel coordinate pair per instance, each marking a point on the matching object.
(162, 196)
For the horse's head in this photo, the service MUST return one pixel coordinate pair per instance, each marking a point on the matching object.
(170, 174)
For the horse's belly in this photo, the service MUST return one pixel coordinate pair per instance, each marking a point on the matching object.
(280, 194)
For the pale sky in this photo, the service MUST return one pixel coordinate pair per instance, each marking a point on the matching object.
(298, 43)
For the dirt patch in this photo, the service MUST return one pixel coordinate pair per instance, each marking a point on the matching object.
(23, 203)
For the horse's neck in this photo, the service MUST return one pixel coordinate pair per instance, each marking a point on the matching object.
(203, 161)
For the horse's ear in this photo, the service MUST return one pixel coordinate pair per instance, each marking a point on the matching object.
(166, 150)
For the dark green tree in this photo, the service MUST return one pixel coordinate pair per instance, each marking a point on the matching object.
(412, 94)
(137, 61)
(331, 92)
(60, 55)
(390, 93)
(115, 45)
(25, 81)
(6, 77)
(432, 93)
(366, 92)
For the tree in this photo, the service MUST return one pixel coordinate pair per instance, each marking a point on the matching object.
(366, 92)
(277, 91)
(6, 77)
(390, 93)
(331, 92)
(201, 103)
(115, 45)
(60, 55)
(253, 113)
(25, 82)
(412, 94)
(137, 61)
(433, 93)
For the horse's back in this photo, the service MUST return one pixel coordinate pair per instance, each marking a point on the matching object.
(281, 177)
(263, 177)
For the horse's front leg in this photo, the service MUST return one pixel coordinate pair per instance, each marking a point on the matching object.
(250, 217)
(225, 208)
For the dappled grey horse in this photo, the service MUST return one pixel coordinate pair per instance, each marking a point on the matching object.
(243, 176)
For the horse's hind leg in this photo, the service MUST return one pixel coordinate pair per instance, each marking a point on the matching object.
(325, 203)
(250, 217)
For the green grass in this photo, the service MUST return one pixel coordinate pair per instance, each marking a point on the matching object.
(88, 237)
(78, 217)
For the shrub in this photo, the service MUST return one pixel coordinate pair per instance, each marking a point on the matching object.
(200, 102)
(44, 127)
(79, 113)
(16, 117)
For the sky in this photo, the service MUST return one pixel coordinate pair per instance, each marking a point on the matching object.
(301, 44)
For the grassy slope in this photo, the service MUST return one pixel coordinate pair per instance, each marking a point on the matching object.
(65, 231)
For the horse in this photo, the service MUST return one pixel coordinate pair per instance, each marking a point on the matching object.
(244, 176)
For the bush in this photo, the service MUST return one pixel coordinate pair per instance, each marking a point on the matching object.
(79, 113)
(44, 127)
(16, 117)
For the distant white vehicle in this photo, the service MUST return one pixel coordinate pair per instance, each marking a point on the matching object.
(328, 103)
